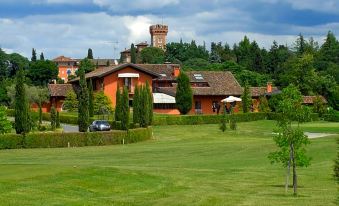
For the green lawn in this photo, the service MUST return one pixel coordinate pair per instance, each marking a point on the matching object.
(183, 165)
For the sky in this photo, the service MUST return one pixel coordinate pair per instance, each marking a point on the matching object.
(70, 27)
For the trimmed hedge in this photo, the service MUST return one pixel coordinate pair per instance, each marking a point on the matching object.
(274, 116)
(205, 119)
(79, 139)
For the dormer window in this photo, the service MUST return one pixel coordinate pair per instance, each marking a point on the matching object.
(198, 76)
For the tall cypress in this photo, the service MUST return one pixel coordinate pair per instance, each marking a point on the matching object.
(136, 108)
(117, 113)
(42, 57)
(53, 117)
(33, 59)
(133, 54)
(144, 107)
(124, 110)
(57, 121)
(184, 95)
(91, 99)
(246, 99)
(149, 103)
(21, 104)
(83, 114)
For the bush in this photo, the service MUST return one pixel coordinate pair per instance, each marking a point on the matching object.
(332, 116)
(78, 139)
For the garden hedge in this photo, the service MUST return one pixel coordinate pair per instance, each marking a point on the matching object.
(78, 139)
(176, 119)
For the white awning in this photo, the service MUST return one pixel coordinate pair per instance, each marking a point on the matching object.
(121, 75)
(161, 98)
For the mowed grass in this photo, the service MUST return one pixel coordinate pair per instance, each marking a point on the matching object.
(182, 165)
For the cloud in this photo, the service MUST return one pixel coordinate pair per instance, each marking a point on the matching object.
(55, 28)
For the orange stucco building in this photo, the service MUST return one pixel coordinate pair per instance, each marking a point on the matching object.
(209, 87)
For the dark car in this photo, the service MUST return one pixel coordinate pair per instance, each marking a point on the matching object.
(99, 125)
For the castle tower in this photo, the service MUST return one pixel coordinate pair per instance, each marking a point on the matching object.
(158, 35)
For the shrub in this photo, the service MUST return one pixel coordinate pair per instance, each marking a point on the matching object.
(332, 116)
(78, 139)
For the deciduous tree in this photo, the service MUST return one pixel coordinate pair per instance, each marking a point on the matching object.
(5, 124)
(291, 141)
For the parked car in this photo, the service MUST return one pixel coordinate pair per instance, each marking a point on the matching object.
(99, 125)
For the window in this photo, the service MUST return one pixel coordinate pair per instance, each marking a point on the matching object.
(164, 106)
(128, 83)
(197, 107)
(198, 76)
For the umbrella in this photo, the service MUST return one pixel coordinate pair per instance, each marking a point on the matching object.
(231, 99)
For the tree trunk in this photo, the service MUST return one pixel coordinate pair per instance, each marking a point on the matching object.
(295, 184)
(288, 173)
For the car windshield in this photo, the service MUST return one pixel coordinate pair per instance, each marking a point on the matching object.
(102, 122)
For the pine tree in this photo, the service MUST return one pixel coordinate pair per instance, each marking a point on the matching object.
(89, 54)
(83, 114)
(21, 105)
(57, 121)
(136, 105)
(33, 59)
(90, 99)
(53, 117)
(133, 54)
(117, 113)
(42, 58)
(125, 109)
(246, 99)
(184, 95)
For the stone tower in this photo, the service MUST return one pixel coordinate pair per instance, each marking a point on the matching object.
(158, 35)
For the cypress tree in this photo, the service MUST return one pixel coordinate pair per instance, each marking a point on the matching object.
(133, 54)
(184, 95)
(40, 113)
(42, 57)
(246, 99)
(144, 107)
(136, 105)
(33, 59)
(223, 126)
(149, 103)
(89, 54)
(117, 113)
(124, 110)
(83, 114)
(22, 124)
(53, 117)
(91, 99)
(57, 121)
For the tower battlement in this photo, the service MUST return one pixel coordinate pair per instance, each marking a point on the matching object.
(158, 35)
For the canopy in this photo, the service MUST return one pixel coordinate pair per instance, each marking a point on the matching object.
(121, 75)
(231, 99)
(163, 98)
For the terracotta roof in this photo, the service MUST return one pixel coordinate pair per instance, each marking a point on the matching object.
(142, 44)
(220, 84)
(310, 99)
(63, 59)
(126, 51)
(164, 70)
(101, 62)
(260, 91)
(59, 90)
(103, 71)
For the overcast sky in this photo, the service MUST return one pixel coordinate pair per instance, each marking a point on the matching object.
(70, 27)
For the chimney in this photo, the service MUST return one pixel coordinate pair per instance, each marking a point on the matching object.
(269, 87)
(176, 71)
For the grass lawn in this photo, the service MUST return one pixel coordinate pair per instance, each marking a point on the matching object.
(183, 165)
